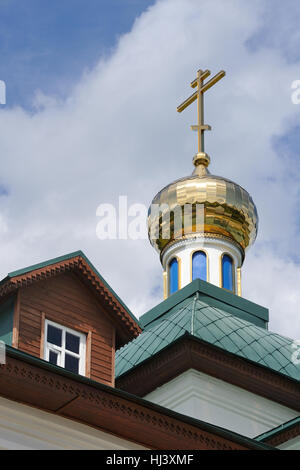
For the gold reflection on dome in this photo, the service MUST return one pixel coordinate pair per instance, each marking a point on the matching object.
(229, 211)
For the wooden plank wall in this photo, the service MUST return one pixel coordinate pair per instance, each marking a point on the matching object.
(66, 300)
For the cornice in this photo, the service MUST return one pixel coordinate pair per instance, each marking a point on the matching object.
(188, 352)
(111, 410)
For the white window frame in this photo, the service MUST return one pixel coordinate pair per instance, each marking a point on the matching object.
(61, 350)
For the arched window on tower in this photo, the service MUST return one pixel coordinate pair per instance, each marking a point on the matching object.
(173, 276)
(227, 272)
(199, 266)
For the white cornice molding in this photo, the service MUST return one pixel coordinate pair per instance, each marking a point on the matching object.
(220, 403)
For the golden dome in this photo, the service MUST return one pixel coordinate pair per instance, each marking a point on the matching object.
(228, 210)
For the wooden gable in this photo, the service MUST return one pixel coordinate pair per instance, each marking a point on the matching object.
(66, 301)
(70, 293)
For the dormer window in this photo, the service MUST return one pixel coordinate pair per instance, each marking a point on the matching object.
(65, 347)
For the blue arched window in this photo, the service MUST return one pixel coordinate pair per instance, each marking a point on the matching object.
(199, 266)
(173, 276)
(227, 272)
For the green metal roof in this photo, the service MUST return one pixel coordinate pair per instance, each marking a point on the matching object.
(214, 296)
(194, 315)
(67, 257)
(278, 430)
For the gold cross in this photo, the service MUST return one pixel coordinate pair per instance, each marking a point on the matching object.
(199, 95)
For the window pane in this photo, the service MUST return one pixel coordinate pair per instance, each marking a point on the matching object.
(72, 342)
(227, 273)
(199, 265)
(72, 363)
(173, 275)
(53, 357)
(54, 335)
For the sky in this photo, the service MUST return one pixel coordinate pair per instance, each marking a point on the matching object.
(49, 45)
(92, 90)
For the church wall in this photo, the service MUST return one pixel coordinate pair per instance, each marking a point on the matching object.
(212, 400)
(23, 428)
(67, 301)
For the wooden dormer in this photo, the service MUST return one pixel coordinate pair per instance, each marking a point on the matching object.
(64, 312)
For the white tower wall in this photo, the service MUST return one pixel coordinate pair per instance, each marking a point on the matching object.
(214, 248)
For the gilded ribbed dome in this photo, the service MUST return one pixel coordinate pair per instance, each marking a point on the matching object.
(228, 210)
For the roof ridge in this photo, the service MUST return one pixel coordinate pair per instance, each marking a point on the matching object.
(193, 312)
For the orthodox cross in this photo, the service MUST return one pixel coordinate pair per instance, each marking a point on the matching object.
(199, 96)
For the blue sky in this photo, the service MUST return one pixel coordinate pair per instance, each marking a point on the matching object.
(92, 91)
(46, 45)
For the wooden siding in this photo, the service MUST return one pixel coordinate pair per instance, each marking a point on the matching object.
(66, 300)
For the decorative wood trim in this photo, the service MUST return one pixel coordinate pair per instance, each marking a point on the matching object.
(16, 321)
(81, 268)
(187, 353)
(109, 410)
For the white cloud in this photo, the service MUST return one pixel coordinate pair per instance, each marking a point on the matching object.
(272, 281)
(118, 133)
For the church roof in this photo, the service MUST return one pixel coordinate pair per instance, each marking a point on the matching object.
(214, 316)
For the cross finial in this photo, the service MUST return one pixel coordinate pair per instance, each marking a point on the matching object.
(201, 158)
